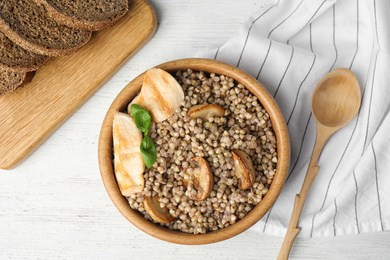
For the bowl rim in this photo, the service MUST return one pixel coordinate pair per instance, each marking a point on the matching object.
(283, 147)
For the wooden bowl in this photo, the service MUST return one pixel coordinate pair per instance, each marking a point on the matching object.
(283, 147)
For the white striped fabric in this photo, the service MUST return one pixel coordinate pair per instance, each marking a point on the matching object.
(289, 46)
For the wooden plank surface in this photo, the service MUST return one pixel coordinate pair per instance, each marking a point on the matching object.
(54, 205)
(29, 115)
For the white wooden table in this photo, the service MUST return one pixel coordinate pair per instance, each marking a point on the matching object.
(54, 205)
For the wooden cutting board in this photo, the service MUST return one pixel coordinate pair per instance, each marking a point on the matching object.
(29, 115)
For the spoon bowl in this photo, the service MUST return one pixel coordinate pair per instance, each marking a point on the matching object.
(336, 98)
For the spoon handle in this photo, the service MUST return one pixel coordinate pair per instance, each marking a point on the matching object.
(323, 134)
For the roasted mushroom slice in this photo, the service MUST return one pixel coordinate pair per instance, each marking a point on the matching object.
(128, 163)
(203, 179)
(205, 111)
(243, 168)
(158, 214)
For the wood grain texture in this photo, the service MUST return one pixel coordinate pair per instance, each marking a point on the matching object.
(30, 114)
(54, 205)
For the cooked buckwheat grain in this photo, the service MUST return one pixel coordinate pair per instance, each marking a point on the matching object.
(245, 126)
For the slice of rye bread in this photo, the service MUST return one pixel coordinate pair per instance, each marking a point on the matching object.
(28, 25)
(15, 57)
(91, 15)
(12, 79)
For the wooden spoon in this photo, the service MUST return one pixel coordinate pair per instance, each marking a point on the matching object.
(335, 102)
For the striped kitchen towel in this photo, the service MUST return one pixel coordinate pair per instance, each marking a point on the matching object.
(289, 45)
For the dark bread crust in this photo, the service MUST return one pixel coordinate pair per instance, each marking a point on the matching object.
(86, 15)
(12, 79)
(28, 25)
(15, 57)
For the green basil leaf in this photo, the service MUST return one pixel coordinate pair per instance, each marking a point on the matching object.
(148, 151)
(141, 118)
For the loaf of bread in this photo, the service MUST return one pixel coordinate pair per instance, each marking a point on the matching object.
(12, 79)
(88, 15)
(28, 25)
(15, 57)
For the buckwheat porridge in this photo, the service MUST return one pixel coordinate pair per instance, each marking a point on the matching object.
(243, 129)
